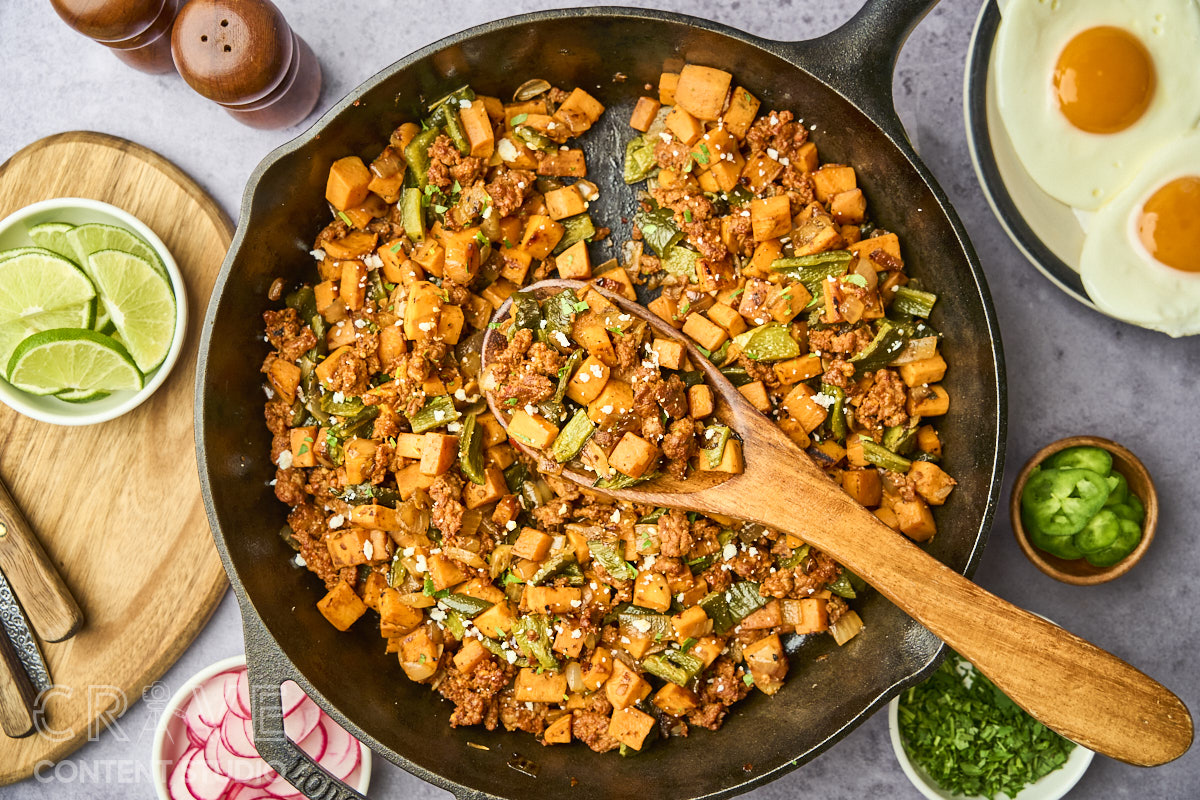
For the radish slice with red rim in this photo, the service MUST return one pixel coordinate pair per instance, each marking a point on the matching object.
(300, 723)
(292, 695)
(202, 782)
(238, 737)
(176, 786)
(242, 707)
(316, 743)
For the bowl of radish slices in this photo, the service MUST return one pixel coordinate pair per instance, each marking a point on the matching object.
(204, 744)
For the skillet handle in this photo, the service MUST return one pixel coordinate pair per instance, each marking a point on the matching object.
(266, 670)
(858, 59)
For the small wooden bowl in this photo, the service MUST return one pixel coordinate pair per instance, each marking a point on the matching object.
(1079, 572)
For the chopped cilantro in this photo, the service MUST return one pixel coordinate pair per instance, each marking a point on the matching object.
(519, 118)
(688, 644)
(738, 292)
(479, 237)
(687, 214)
(395, 248)
(456, 188)
(344, 218)
(856, 279)
(581, 306)
(441, 209)
(748, 679)
(704, 156)
(816, 299)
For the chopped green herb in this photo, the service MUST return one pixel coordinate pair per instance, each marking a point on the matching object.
(519, 118)
(738, 292)
(456, 188)
(441, 209)
(704, 156)
(816, 299)
(344, 218)
(479, 237)
(581, 306)
(687, 214)
(856, 279)
(746, 96)
(973, 740)
(493, 324)
(395, 248)
(748, 679)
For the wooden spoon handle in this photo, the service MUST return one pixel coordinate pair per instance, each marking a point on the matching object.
(16, 693)
(47, 602)
(1073, 687)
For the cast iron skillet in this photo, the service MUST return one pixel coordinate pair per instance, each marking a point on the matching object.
(840, 83)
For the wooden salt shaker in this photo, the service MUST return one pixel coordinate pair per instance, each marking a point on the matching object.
(244, 56)
(137, 31)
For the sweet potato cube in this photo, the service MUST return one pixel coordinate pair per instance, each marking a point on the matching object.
(761, 170)
(590, 332)
(633, 455)
(769, 616)
(532, 429)
(563, 164)
(548, 687)
(915, 519)
(444, 572)
(767, 662)
(392, 345)
(408, 445)
(327, 293)
(496, 622)
(625, 687)
(353, 245)
(353, 284)
(342, 607)
(463, 252)
(691, 623)
(797, 369)
(630, 727)
(702, 91)
(588, 381)
(347, 184)
(675, 700)
(931, 401)
(667, 83)
(498, 292)
(541, 235)
(700, 401)
(359, 458)
(284, 377)
(431, 256)
(888, 243)
(551, 599)
(616, 280)
(470, 656)
(864, 486)
(569, 640)
(532, 544)
(685, 126)
(614, 399)
(809, 615)
(481, 589)
(419, 655)
(731, 459)
(788, 300)
(396, 618)
(704, 331)
(409, 479)
(927, 370)
(303, 441)
(650, 590)
(574, 263)
(374, 584)
(670, 353)
(708, 649)
(450, 323)
(667, 310)
(559, 731)
(928, 441)
(376, 517)
(728, 318)
(795, 431)
(340, 334)
(740, 114)
(493, 488)
(565, 202)
(357, 546)
(800, 405)
(765, 253)
(478, 128)
(832, 179)
(439, 452)
(598, 668)
(931, 482)
(756, 393)
(887, 517)
(422, 310)
(644, 113)
(848, 208)
(770, 217)
(579, 111)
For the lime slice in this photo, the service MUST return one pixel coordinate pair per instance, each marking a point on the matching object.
(17, 331)
(72, 359)
(103, 321)
(81, 395)
(140, 302)
(35, 282)
(53, 237)
(94, 237)
(5, 255)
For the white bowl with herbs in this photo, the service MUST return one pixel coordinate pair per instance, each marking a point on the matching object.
(93, 311)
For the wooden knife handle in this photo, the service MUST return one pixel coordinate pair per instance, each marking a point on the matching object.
(47, 602)
(16, 693)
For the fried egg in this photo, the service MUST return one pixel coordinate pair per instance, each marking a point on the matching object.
(1141, 258)
(1089, 89)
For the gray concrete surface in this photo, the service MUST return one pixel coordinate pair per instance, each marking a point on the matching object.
(1070, 370)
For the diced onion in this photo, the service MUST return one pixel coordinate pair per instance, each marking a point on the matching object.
(574, 674)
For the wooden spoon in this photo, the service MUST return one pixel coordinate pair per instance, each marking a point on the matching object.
(1073, 687)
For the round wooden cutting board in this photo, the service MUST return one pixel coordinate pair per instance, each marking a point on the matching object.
(117, 505)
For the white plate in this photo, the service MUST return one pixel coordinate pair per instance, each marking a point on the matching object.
(80, 211)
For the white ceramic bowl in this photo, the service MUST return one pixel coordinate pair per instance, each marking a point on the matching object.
(170, 739)
(79, 211)
(1049, 787)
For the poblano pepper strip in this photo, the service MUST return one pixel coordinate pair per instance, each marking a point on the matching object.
(470, 450)
(572, 437)
(639, 159)
(436, 413)
(658, 229)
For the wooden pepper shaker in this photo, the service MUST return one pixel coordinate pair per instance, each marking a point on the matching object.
(244, 56)
(137, 31)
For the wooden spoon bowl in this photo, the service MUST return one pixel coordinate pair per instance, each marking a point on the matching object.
(1071, 686)
(1079, 572)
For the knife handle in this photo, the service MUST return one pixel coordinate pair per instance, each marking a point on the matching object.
(16, 693)
(47, 602)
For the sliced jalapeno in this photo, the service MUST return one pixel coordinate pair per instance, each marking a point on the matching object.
(1097, 459)
(1060, 502)
(1100, 532)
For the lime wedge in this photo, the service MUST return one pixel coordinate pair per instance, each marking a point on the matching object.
(72, 359)
(17, 331)
(5, 255)
(35, 282)
(139, 301)
(81, 395)
(94, 237)
(53, 237)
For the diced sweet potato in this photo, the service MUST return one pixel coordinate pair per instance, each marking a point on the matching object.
(342, 607)
(563, 164)
(419, 655)
(496, 622)
(685, 126)
(422, 310)
(731, 459)
(358, 458)
(579, 111)
(409, 479)
(756, 393)
(769, 616)
(809, 615)
(848, 208)
(728, 318)
(915, 519)
(675, 700)
(614, 400)
(787, 301)
(644, 113)
(565, 202)
(833, 179)
(633, 455)
(621, 277)
(347, 183)
(598, 669)
(800, 405)
(668, 82)
(531, 544)
(355, 244)
(768, 663)
(396, 618)
(463, 252)
(927, 370)
(284, 377)
(569, 640)
(470, 656)
(548, 687)
(478, 128)
(864, 486)
(700, 401)
(630, 727)
(559, 731)
(303, 442)
(670, 353)
(532, 429)
(801, 368)
(551, 599)
(888, 243)
(691, 623)
(493, 488)
(667, 310)
(431, 256)
(770, 217)
(588, 381)
(450, 323)
(625, 687)
(650, 590)
(439, 452)
(541, 235)
(931, 401)
(702, 91)
(376, 517)
(353, 284)
(358, 546)
(928, 440)
(931, 482)
(740, 114)
(704, 331)
(761, 170)
(575, 262)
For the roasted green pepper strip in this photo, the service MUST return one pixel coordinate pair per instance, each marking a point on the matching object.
(682, 261)
(907, 300)
(470, 450)
(558, 312)
(888, 342)
(304, 300)
(359, 424)
(356, 494)
(880, 456)
(796, 558)
(639, 159)
(412, 214)
(532, 634)
(842, 587)
(552, 566)
(417, 156)
(1097, 459)
(715, 436)
(619, 480)
(837, 412)
(606, 555)
(469, 607)
(526, 313)
(436, 413)
(812, 270)
(726, 609)
(644, 621)
(770, 342)
(572, 437)
(575, 229)
(658, 229)
(397, 571)
(1059, 502)
(514, 476)
(346, 407)
(533, 139)
(674, 666)
(736, 375)
(900, 439)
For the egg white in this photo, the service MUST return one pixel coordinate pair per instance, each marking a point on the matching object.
(1120, 275)
(1078, 168)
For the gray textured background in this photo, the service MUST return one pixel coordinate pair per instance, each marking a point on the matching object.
(1070, 370)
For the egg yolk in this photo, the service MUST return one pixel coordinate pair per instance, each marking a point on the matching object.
(1169, 225)
(1104, 80)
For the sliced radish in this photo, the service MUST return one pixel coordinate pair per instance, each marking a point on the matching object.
(176, 785)
(242, 696)
(197, 729)
(212, 754)
(316, 742)
(202, 782)
(209, 700)
(231, 692)
(249, 793)
(343, 752)
(301, 721)
(292, 696)
(282, 789)
(238, 735)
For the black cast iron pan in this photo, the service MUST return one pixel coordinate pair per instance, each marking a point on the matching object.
(841, 85)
